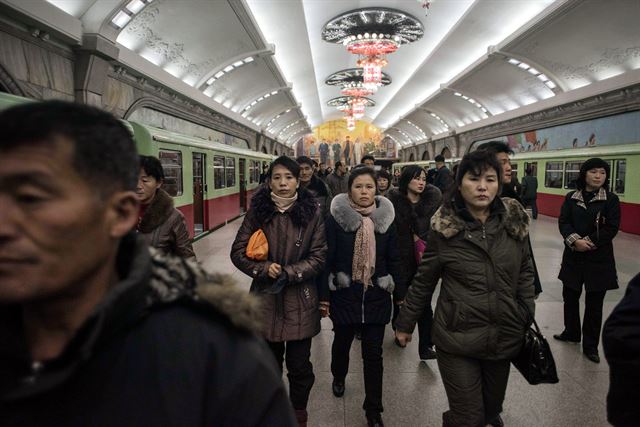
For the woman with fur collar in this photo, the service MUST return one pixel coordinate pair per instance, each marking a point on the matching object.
(160, 224)
(286, 281)
(363, 267)
(415, 201)
(477, 246)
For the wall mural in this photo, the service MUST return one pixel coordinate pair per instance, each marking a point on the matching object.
(612, 130)
(332, 142)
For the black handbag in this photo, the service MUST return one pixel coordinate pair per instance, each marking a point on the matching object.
(535, 360)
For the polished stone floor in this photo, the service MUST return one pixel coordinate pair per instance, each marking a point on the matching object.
(413, 390)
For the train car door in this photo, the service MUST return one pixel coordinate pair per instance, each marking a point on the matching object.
(243, 186)
(198, 193)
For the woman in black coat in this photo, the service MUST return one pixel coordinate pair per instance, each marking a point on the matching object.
(362, 270)
(589, 220)
(415, 202)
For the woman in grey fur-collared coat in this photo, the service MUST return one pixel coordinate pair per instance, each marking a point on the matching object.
(362, 268)
(477, 246)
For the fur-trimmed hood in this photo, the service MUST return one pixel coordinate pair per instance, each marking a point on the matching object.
(350, 220)
(157, 213)
(301, 213)
(514, 219)
(173, 278)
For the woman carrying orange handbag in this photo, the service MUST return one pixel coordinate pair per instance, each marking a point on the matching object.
(285, 280)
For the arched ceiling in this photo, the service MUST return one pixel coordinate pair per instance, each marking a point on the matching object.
(264, 62)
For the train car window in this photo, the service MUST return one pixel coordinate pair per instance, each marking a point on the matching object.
(257, 172)
(571, 173)
(230, 170)
(172, 167)
(252, 168)
(218, 172)
(514, 171)
(533, 166)
(553, 175)
(621, 172)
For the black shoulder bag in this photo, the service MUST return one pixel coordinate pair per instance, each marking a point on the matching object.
(535, 360)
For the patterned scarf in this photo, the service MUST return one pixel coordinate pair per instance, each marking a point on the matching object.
(364, 249)
(283, 203)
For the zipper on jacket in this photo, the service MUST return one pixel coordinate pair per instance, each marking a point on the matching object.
(364, 289)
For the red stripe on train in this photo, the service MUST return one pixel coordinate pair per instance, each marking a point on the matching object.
(217, 211)
(550, 204)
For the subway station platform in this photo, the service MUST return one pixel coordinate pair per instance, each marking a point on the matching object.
(413, 392)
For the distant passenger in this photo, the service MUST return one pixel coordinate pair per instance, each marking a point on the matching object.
(363, 267)
(97, 329)
(589, 220)
(443, 178)
(285, 282)
(160, 224)
(530, 192)
(477, 246)
(415, 202)
(263, 175)
(383, 179)
(431, 175)
(322, 172)
(369, 161)
(338, 180)
(314, 185)
(502, 153)
(396, 178)
(621, 343)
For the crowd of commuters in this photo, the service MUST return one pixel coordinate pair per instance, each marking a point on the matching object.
(107, 318)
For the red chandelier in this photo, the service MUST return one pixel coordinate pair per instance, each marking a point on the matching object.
(372, 49)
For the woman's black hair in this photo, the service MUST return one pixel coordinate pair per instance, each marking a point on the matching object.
(361, 170)
(152, 167)
(593, 163)
(383, 174)
(408, 173)
(475, 163)
(287, 163)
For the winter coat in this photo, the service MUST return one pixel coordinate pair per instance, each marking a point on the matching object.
(443, 179)
(321, 192)
(621, 342)
(169, 345)
(598, 220)
(485, 270)
(413, 219)
(337, 184)
(529, 188)
(350, 304)
(297, 242)
(163, 227)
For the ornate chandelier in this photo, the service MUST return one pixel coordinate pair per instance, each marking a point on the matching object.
(351, 80)
(373, 33)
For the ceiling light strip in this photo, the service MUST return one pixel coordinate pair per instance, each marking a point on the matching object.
(127, 13)
(473, 102)
(253, 103)
(534, 72)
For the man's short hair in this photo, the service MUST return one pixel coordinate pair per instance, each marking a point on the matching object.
(496, 147)
(304, 160)
(103, 150)
(367, 157)
(338, 164)
(152, 167)
(383, 174)
(439, 158)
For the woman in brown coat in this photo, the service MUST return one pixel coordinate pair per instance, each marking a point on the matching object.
(285, 282)
(160, 224)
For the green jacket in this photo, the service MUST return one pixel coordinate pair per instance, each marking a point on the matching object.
(485, 270)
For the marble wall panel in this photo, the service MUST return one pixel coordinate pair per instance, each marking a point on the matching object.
(118, 96)
(37, 64)
(12, 56)
(62, 73)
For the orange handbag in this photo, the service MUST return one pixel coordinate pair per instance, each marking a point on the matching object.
(258, 247)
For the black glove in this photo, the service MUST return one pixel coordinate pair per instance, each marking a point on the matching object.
(279, 284)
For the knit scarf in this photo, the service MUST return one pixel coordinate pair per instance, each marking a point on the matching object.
(364, 249)
(283, 203)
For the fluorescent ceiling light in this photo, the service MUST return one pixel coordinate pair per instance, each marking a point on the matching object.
(247, 59)
(121, 19)
(523, 66)
(237, 63)
(228, 68)
(533, 71)
(135, 6)
(211, 80)
(550, 84)
(219, 74)
(513, 61)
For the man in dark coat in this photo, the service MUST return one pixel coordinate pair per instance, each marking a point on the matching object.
(98, 329)
(502, 152)
(621, 342)
(314, 185)
(443, 178)
(530, 192)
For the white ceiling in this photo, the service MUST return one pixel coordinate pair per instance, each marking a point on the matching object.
(465, 49)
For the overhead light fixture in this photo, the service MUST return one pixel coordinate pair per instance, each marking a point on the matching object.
(534, 72)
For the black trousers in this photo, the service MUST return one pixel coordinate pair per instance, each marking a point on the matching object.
(534, 206)
(372, 337)
(475, 389)
(425, 323)
(592, 323)
(299, 368)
